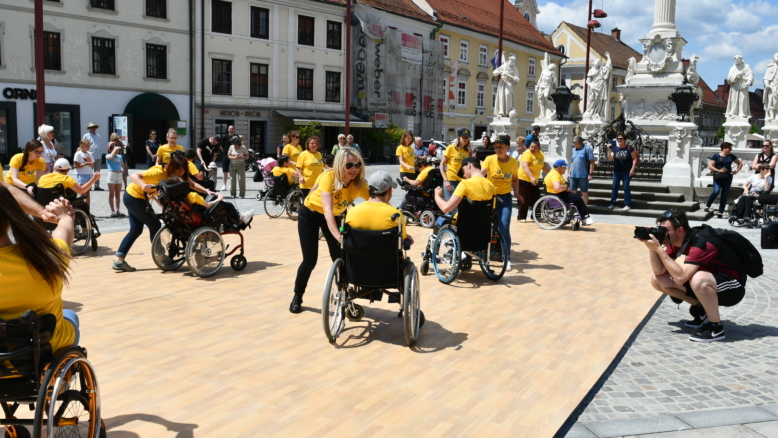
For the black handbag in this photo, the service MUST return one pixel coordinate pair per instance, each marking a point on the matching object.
(720, 176)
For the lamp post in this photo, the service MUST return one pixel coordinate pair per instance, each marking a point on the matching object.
(40, 81)
(591, 24)
(684, 97)
(562, 98)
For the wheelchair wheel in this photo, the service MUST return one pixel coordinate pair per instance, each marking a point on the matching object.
(75, 409)
(549, 213)
(205, 252)
(293, 202)
(494, 263)
(21, 432)
(238, 262)
(274, 206)
(357, 315)
(466, 264)
(427, 218)
(424, 268)
(411, 305)
(82, 232)
(94, 243)
(410, 218)
(445, 255)
(333, 303)
(167, 251)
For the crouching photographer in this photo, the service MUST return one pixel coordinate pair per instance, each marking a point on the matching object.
(711, 276)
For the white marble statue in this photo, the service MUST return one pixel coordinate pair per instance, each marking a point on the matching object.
(599, 80)
(631, 69)
(771, 91)
(740, 77)
(546, 85)
(509, 78)
(691, 72)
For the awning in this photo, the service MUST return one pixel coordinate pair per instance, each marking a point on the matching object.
(326, 118)
(151, 106)
(756, 137)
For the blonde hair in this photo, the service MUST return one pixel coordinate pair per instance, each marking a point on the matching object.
(115, 137)
(84, 142)
(466, 147)
(171, 131)
(521, 140)
(339, 167)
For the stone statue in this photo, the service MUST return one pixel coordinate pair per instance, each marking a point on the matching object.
(631, 69)
(509, 77)
(546, 85)
(740, 77)
(771, 91)
(598, 80)
(691, 72)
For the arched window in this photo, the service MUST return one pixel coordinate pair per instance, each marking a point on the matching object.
(561, 48)
(526, 15)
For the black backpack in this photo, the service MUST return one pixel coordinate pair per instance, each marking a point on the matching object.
(750, 259)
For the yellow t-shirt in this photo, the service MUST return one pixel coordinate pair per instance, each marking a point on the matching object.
(552, 176)
(52, 179)
(476, 189)
(311, 166)
(30, 172)
(374, 216)
(536, 162)
(292, 151)
(192, 168)
(164, 152)
(406, 155)
(152, 176)
(455, 157)
(288, 171)
(423, 174)
(341, 199)
(23, 290)
(195, 199)
(501, 174)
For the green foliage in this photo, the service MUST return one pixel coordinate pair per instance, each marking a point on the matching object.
(309, 129)
(377, 139)
(754, 130)
(720, 132)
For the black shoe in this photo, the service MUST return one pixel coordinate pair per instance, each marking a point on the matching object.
(700, 317)
(709, 333)
(296, 306)
(98, 189)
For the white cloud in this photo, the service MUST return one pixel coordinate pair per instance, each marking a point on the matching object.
(742, 19)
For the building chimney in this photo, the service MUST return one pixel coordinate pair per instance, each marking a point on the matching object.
(616, 33)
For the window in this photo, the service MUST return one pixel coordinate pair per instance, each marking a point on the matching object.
(305, 30)
(444, 42)
(527, 132)
(462, 93)
(615, 83)
(531, 67)
(464, 47)
(102, 4)
(613, 112)
(530, 101)
(305, 83)
(479, 95)
(156, 8)
(561, 48)
(258, 80)
(103, 56)
(221, 77)
(52, 59)
(494, 95)
(483, 55)
(333, 87)
(156, 61)
(333, 35)
(221, 16)
(260, 23)
(526, 17)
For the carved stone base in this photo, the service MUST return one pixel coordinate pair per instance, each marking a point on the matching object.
(770, 132)
(504, 126)
(678, 170)
(736, 132)
(590, 126)
(556, 140)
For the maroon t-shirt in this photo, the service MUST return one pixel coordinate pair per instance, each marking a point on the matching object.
(711, 254)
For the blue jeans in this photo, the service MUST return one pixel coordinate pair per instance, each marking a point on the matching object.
(447, 193)
(617, 178)
(71, 317)
(136, 212)
(504, 210)
(721, 186)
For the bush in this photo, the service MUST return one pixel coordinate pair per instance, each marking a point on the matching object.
(309, 129)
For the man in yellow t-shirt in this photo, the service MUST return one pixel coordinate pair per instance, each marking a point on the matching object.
(502, 170)
(376, 214)
(60, 176)
(556, 185)
(474, 186)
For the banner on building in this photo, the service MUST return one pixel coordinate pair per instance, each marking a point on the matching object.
(381, 120)
(373, 21)
(411, 48)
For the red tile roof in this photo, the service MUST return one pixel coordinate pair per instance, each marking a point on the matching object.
(405, 8)
(603, 42)
(484, 16)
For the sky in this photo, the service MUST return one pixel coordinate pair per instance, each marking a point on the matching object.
(715, 30)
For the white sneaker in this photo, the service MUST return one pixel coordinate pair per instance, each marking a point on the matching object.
(626, 208)
(611, 207)
(224, 187)
(508, 266)
(242, 197)
(247, 216)
(589, 220)
(523, 221)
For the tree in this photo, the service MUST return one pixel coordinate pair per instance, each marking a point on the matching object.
(309, 129)
(379, 138)
(720, 133)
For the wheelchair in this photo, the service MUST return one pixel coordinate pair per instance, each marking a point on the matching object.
(371, 262)
(420, 207)
(280, 197)
(85, 232)
(62, 389)
(551, 213)
(764, 209)
(481, 241)
(193, 234)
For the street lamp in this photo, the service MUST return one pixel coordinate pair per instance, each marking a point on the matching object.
(684, 97)
(591, 24)
(562, 98)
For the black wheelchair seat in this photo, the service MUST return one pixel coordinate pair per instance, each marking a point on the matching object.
(475, 217)
(372, 257)
(19, 342)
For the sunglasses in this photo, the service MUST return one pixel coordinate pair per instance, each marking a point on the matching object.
(358, 165)
(620, 138)
(670, 217)
(766, 146)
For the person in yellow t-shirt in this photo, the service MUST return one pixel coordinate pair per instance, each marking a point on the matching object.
(285, 167)
(60, 176)
(556, 185)
(335, 191)
(232, 212)
(197, 174)
(310, 164)
(532, 161)
(405, 155)
(26, 168)
(502, 170)
(35, 268)
(472, 186)
(376, 214)
(452, 161)
(164, 151)
(293, 149)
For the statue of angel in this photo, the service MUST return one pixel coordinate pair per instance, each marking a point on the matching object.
(546, 84)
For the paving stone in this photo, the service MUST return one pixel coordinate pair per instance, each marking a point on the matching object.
(638, 426)
(579, 431)
(725, 417)
(768, 429)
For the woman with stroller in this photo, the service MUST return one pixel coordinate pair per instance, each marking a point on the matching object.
(756, 184)
(310, 165)
(335, 191)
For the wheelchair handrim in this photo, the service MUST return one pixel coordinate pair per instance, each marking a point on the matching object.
(447, 240)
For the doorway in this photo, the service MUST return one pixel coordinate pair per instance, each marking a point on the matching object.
(257, 140)
(140, 133)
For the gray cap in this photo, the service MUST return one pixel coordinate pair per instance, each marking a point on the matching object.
(380, 182)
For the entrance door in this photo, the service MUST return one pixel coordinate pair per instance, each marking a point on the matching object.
(257, 131)
(8, 144)
(480, 130)
(140, 133)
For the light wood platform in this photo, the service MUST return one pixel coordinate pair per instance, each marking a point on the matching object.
(180, 356)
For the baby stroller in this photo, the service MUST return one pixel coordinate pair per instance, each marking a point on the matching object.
(420, 207)
(266, 168)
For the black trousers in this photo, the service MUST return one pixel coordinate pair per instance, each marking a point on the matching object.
(531, 194)
(575, 199)
(309, 223)
(744, 206)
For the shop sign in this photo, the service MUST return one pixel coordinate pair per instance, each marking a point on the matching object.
(236, 113)
(120, 127)
(381, 120)
(20, 93)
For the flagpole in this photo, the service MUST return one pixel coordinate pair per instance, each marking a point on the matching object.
(499, 38)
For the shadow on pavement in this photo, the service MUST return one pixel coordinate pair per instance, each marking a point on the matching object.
(184, 430)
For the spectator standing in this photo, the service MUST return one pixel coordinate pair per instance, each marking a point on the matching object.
(96, 148)
(720, 166)
(582, 168)
(419, 151)
(237, 155)
(503, 172)
(520, 148)
(115, 160)
(26, 168)
(531, 163)
(341, 144)
(84, 164)
(350, 143)
(767, 156)
(226, 145)
(310, 164)
(625, 160)
(50, 152)
(452, 161)
(152, 144)
(117, 144)
(405, 154)
(207, 152)
(293, 149)
(164, 152)
(534, 135)
(280, 148)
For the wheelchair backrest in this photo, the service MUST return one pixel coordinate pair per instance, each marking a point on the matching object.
(24, 344)
(372, 257)
(474, 224)
(281, 185)
(46, 195)
(172, 192)
(433, 181)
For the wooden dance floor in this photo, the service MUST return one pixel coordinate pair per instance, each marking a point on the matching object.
(181, 356)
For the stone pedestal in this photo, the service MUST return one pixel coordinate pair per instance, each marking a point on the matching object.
(504, 126)
(590, 126)
(770, 132)
(556, 140)
(736, 132)
(678, 170)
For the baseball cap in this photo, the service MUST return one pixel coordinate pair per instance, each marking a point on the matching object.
(62, 163)
(560, 162)
(536, 128)
(464, 132)
(380, 182)
(504, 139)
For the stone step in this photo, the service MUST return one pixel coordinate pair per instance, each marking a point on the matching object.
(636, 186)
(697, 215)
(687, 206)
(645, 196)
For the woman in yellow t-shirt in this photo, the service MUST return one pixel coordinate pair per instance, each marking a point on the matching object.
(532, 161)
(35, 268)
(293, 149)
(284, 167)
(452, 161)
(310, 164)
(26, 168)
(405, 155)
(164, 151)
(335, 192)
(502, 170)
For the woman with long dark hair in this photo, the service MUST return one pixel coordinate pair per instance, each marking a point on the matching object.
(452, 161)
(310, 164)
(26, 168)
(405, 156)
(293, 149)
